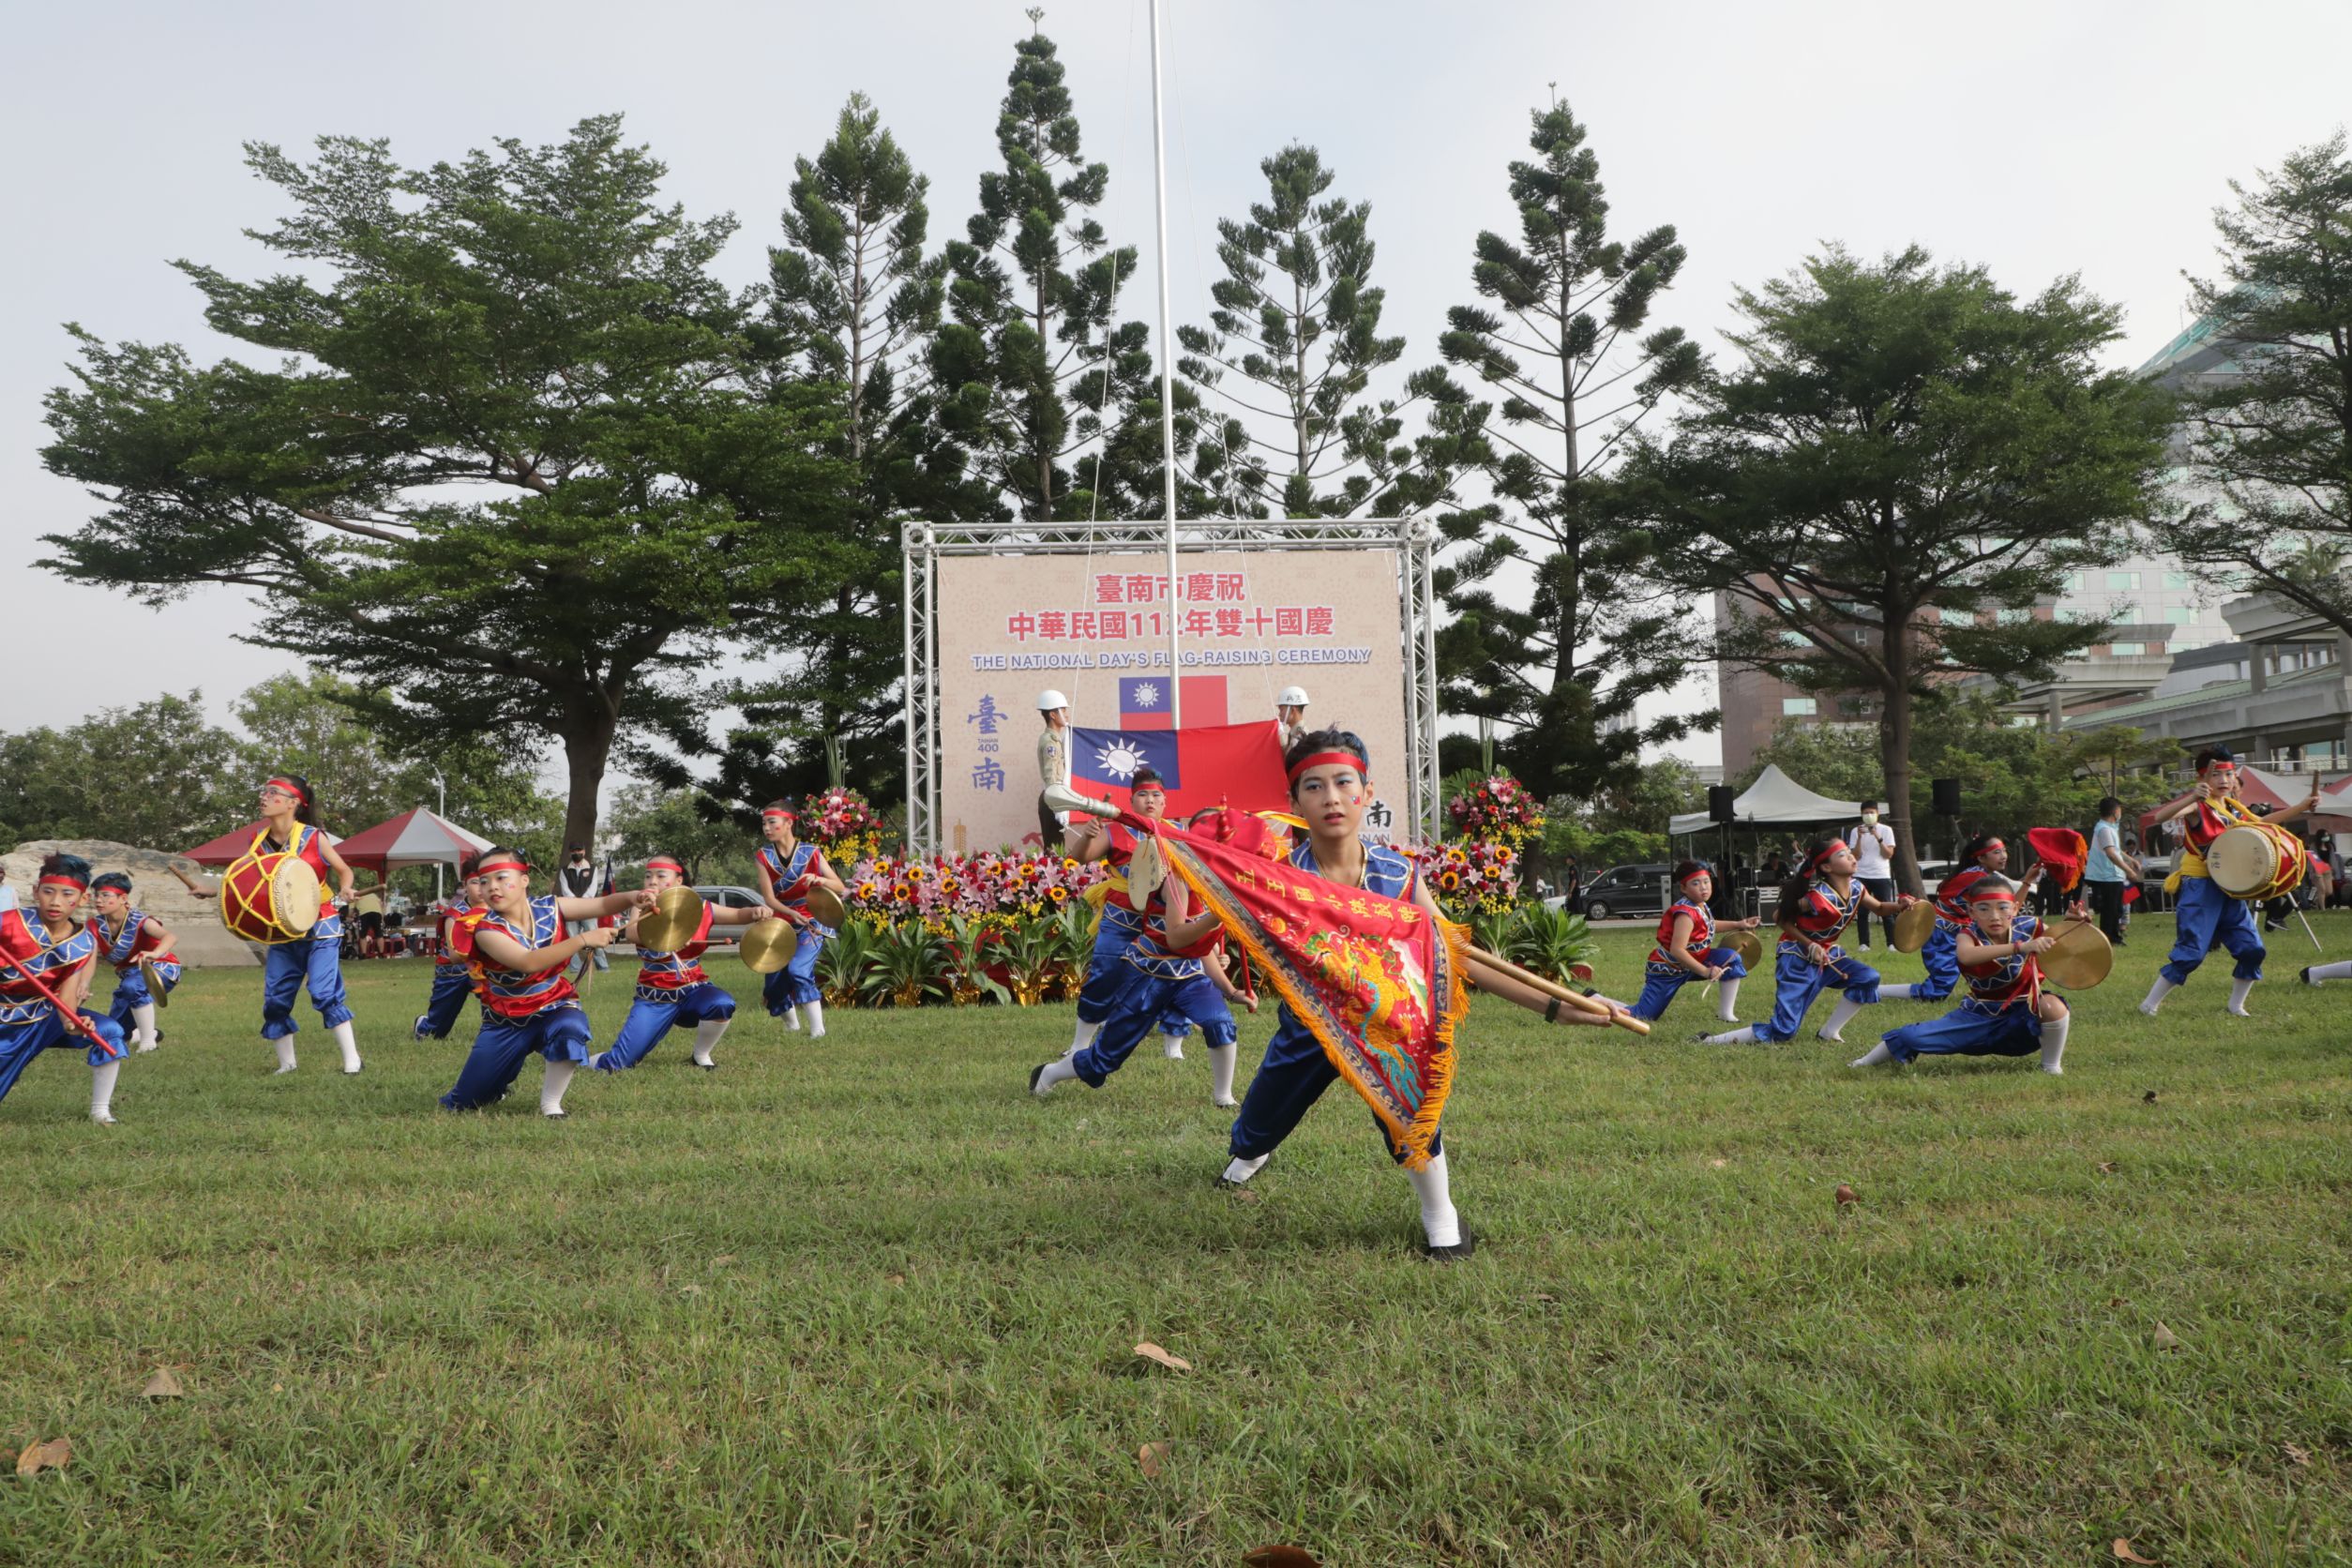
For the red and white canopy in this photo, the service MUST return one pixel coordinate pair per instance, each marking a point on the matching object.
(412, 838)
(230, 847)
(2257, 789)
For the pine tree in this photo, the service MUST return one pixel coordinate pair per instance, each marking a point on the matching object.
(1563, 344)
(1296, 329)
(1032, 368)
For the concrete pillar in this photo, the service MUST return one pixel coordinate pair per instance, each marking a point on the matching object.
(2259, 665)
(2055, 719)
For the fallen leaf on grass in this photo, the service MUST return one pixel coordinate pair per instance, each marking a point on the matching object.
(689, 1289)
(38, 1456)
(2163, 1337)
(1281, 1557)
(2118, 1301)
(1717, 1164)
(1244, 1194)
(1846, 1195)
(1150, 1352)
(722, 1260)
(894, 1280)
(2298, 1455)
(163, 1385)
(2123, 1552)
(1151, 1456)
(2149, 1099)
(2106, 1167)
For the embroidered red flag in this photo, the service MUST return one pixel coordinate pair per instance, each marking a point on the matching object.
(2063, 851)
(1375, 980)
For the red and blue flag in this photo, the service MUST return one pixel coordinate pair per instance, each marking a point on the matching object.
(1203, 766)
(1143, 701)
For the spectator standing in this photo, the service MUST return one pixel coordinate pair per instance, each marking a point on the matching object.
(1571, 885)
(2108, 869)
(1874, 867)
(577, 880)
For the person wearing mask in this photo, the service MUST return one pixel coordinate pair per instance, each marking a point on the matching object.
(1874, 867)
(1054, 764)
(1291, 708)
(577, 880)
(2108, 869)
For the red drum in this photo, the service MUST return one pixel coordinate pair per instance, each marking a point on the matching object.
(2256, 861)
(270, 898)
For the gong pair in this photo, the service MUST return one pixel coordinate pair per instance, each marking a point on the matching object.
(767, 945)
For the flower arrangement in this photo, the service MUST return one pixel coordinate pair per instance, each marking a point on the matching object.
(1500, 809)
(842, 824)
(1469, 877)
(990, 889)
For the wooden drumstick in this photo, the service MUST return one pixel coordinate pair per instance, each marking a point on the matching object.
(1480, 956)
(71, 1017)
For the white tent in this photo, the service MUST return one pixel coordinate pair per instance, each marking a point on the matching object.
(1775, 800)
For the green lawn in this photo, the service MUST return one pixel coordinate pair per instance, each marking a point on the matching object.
(866, 1300)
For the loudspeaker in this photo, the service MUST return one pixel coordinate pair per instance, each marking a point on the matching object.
(1947, 797)
(1720, 803)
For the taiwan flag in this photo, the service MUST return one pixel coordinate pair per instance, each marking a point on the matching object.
(1143, 703)
(1203, 766)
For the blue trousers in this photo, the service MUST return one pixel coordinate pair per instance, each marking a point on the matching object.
(649, 1021)
(315, 958)
(451, 986)
(1659, 990)
(1966, 1032)
(1942, 958)
(22, 1042)
(1799, 981)
(559, 1033)
(1142, 1002)
(1288, 1082)
(1107, 976)
(2206, 918)
(131, 989)
(795, 984)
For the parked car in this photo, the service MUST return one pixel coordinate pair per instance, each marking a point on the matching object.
(727, 896)
(1621, 892)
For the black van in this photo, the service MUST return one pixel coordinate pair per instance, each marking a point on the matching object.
(1622, 892)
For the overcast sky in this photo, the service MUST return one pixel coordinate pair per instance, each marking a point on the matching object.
(2039, 139)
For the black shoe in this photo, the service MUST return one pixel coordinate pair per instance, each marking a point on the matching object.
(1455, 1254)
(706, 1067)
(1035, 1073)
(555, 1115)
(2306, 977)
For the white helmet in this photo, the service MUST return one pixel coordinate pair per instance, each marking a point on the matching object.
(1292, 696)
(1048, 701)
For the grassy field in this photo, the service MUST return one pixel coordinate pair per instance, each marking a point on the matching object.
(864, 1301)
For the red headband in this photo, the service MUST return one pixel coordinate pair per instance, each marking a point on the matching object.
(291, 788)
(58, 880)
(1323, 759)
(1990, 845)
(1815, 862)
(664, 860)
(484, 867)
(1990, 890)
(784, 811)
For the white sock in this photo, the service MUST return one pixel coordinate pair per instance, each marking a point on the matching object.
(551, 1087)
(285, 1052)
(1840, 1016)
(1083, 1037)
(791, 1019)
(2156, 994)
(2331, 971)
(1221, 1060)
(1438, 1218)
(102, 1079)
(1894, 993)
(1727, 997)
(2053, 1043)
(1241, 1170)
(1745, 1035)
(706, 1034)
(1056, 1072)
(2237, 993)
(142, 1017)
(351, 1046)
(1172, 1046)
(816, 1020)
(1875, 1056)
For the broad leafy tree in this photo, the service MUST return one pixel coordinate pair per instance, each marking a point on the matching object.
(508, 466)
(157, 775)
(2271, 436)
(1561, 336)
(1034, 368)
(1906, 461)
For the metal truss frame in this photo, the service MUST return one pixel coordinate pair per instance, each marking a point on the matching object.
(923, 545)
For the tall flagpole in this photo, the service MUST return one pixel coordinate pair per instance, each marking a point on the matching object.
(1167, 374)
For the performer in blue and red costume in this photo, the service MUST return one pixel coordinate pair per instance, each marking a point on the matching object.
(787, 868)
(671, 987)
(2006, 1012)
(1686, 949)
(290, 820)
(1815, 906)
(453, 979)
(1981, 857)
(124, 937)
(2204, 916)
(518, 950)
(1117, 923)
(46, 960)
